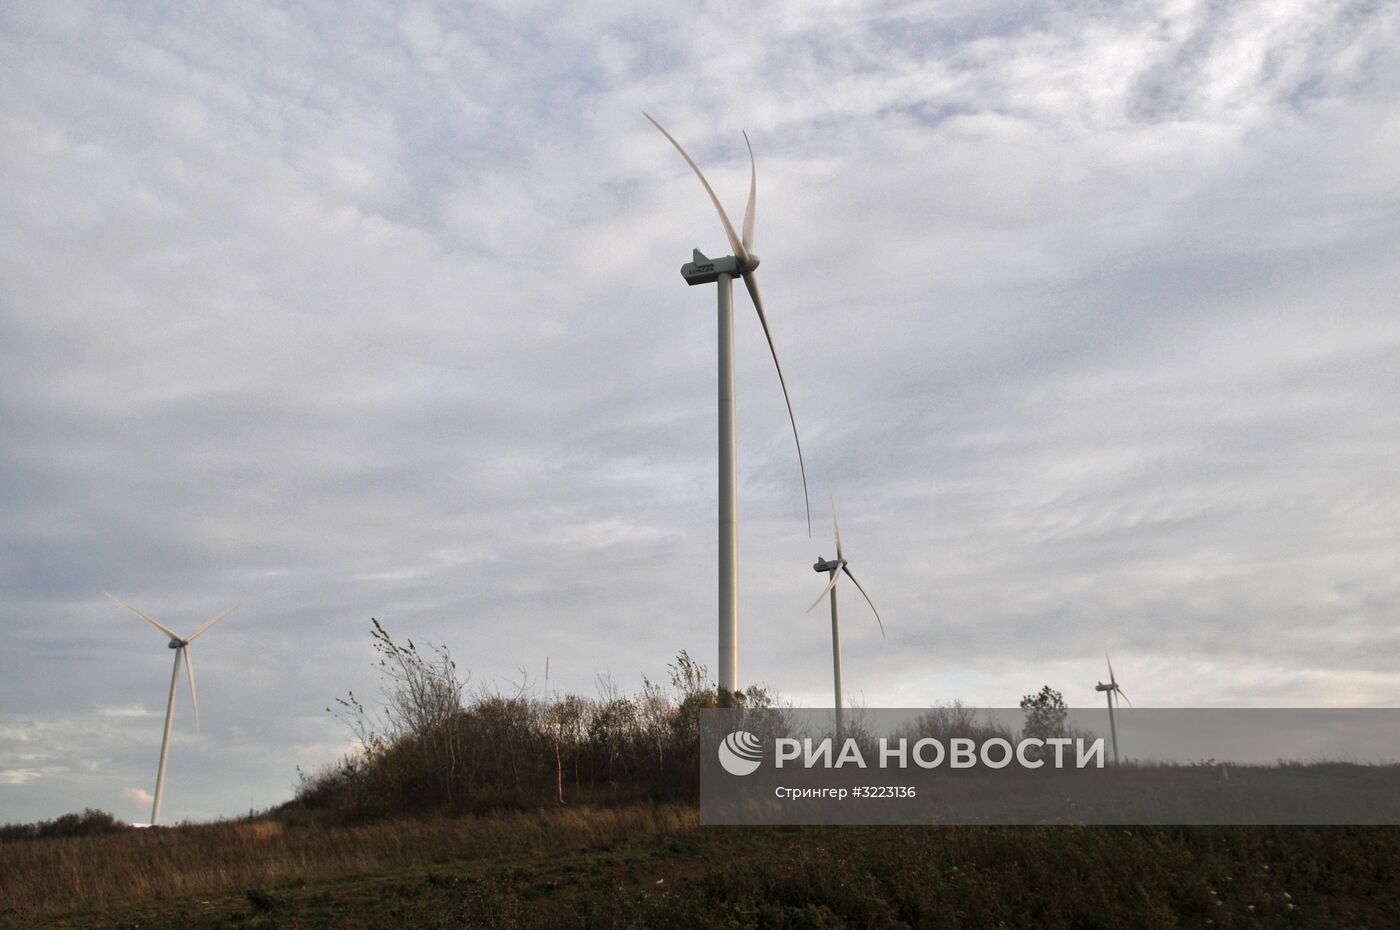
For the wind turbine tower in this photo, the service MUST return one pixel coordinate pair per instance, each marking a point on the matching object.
(182, 651)
(722, 272)
(1114, 694)
(834, 568)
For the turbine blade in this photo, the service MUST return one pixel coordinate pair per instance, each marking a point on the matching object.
(1125, 698)
(751, 282)
(847, 570)
(835, 577)
(216, 619)
(1111, 679)
(753, 198)
(837, 525)
(194, 697)
(164, 629)
(734, 241)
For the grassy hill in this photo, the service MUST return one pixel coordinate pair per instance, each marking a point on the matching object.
(655, 866)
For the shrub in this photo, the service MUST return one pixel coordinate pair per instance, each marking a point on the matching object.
(436, 746)
(89, 823)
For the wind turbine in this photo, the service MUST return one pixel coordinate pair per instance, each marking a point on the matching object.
(722, 272)
(182, 650)
(834, 568)
(1114, 694)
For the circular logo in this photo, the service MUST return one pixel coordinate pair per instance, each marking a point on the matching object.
(740, 753)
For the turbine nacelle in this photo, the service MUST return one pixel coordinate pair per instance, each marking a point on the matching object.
(704, 270)
(822, 565)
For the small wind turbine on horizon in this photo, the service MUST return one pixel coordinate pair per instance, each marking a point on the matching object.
(834, 568)
(722, 272)
(182, 651)
(1114, 693)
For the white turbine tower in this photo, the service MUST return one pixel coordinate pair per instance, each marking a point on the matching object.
(834, 568)
(1114, 694)
(182, 651)
(722, 271)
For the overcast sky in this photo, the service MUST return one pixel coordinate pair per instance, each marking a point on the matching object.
(1088, 312)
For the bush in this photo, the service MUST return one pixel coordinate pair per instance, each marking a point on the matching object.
(436, 747)
(89, 823)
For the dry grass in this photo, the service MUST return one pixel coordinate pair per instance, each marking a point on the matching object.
(656, 868)
(56, 875)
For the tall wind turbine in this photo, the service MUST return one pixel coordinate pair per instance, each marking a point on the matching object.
(182, 651)
(722, 272)
(834, 568)
(1115, 695)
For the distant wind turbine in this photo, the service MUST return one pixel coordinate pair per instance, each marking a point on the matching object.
(181, 647)
(722, 271)
(834, 568)
(1115, 695)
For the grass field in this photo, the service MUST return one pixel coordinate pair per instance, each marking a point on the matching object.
(657, 867)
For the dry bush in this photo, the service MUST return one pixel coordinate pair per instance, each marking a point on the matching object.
(951, 721)
(437, 747)
(88, 823)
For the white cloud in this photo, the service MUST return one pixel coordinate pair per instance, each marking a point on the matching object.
(138, 795)
(17, 776)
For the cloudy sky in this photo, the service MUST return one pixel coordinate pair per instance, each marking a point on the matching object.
(372, 310)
